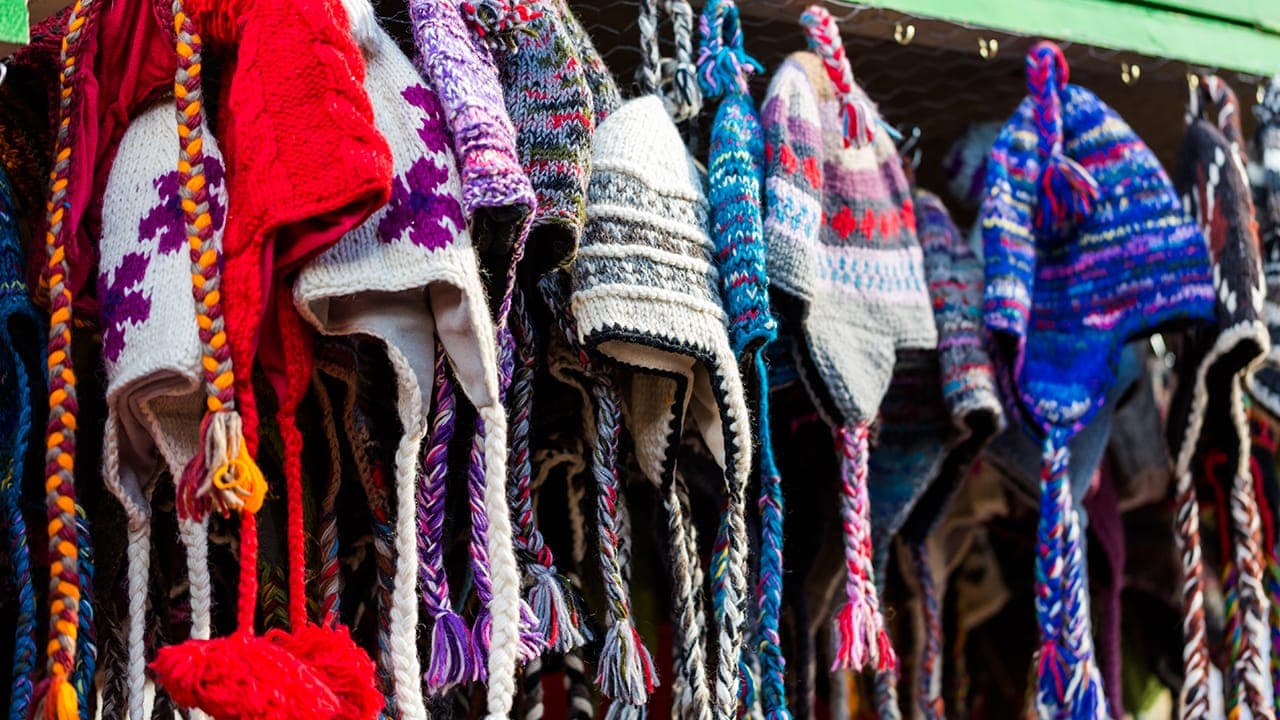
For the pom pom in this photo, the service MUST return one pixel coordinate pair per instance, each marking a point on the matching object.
(557, 610)
(240, 677)
(452, 661)
(1067, 194)
(343, 667)
(625, 668)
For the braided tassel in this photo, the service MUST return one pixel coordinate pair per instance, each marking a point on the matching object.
(928, 691)
(1067, 191)
(552, 601)
(24, 651)
(773, 665)
(691, 695)
(1273, 592)
(1195, 649)
(860, 638)
(857, 117)
(59, 701)
(88, 646)
(330, 579)
(451, 662)
(577, 685)
(1246, 530)
(1233, 631)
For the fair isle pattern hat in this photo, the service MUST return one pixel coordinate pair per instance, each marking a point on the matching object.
(21, 387)
(1264, 384)
(152, 353)
(646, 295)
(497, 196)
(1208, 411)
(1086, 246)
(404, 276)
(845, 260)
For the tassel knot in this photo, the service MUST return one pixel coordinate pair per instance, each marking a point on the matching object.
(723, 63)
(1067, 191)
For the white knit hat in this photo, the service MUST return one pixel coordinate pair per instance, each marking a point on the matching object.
(152, 352)
(407, 274)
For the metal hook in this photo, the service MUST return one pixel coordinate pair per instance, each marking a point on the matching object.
(904, 34)
(1130, 73)
(988, 48)
(1262, 91)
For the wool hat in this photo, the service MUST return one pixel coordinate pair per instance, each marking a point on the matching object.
(497, 197)
(406, 274)
(1207, 413)
(734, 188)
(965, 163)
(645, 294)
(605, 97)
(152, 353)
(21, 387)
(1264, 384)
(848, 271)
(549, 102)
(1086, 246)
(291, 204)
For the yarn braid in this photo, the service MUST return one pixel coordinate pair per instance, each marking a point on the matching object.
(857, 118)
(23, 664)
(1273, 591)
(577, 685)
(773, 665)
(928, 696)
(61, 703)
(83, 679)
(691, 696)
(1246, 530)
(729, 560)
(451, 661)
(860, 639)
(1233, 631)
(531, 691)
(1085, 699)
(330, 579)
(556, 608)
(1195, 648)
(224, 474)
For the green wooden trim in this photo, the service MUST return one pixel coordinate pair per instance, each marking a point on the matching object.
(1229, 34)
(14, 21)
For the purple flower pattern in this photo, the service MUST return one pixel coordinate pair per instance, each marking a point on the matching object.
(122, 300)
(420, 202)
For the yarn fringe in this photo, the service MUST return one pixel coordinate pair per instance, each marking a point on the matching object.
(531, 641)
(626, 671)
(59, 700)
(859, 641)
(345, 669)
(224, 477)
(1067, 193)
(452, 661)
(557, 609)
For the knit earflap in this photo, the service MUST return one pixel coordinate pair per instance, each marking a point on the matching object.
(823, 35)
(1067, 190)
(58, 700)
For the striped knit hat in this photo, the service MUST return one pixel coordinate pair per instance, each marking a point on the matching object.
(646, 295)
(844, 256)
(735, 181)
(152, 353)
(1264, 384)
(1086, 246)
(408, 273)
(1208, 413)
(21, 386)
(291, 204)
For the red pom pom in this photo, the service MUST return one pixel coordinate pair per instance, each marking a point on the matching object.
(341, 665)
(241, 677)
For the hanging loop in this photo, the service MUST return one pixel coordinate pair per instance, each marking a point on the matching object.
(856, 113)
(723, 63)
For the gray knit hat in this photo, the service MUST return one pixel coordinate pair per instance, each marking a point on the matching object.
(645, 294)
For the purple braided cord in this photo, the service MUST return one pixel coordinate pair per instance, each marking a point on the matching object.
(451, 662)
(930, 701)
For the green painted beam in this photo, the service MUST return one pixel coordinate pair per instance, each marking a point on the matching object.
(1227, 34)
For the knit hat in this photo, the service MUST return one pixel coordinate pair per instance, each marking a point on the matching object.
(646, 296)
(605, 97)
(497, 197)
(408, 273)
(735, 180)
(1264, 383)
(844, 256)
(1208, 413)
(21, 386)
(965, 163)
(152, 354)
(1086, 247)
(291, 204)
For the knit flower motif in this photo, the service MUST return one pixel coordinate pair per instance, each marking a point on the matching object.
(420, 202)
(123, 301)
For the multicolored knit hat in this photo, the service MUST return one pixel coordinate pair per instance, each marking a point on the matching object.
(21, 387)
(1264, 383)
(735, 181)
(1086, 246)
(497, 196)
(843, 254)
(605, 97)
(1208, 412)
(152, 353)
(965, 163)
(291, 204)
(401, 277)
(646, 295)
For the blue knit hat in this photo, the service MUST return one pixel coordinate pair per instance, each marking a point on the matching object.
(21, 379)
(735, 180)
(1086, 246)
